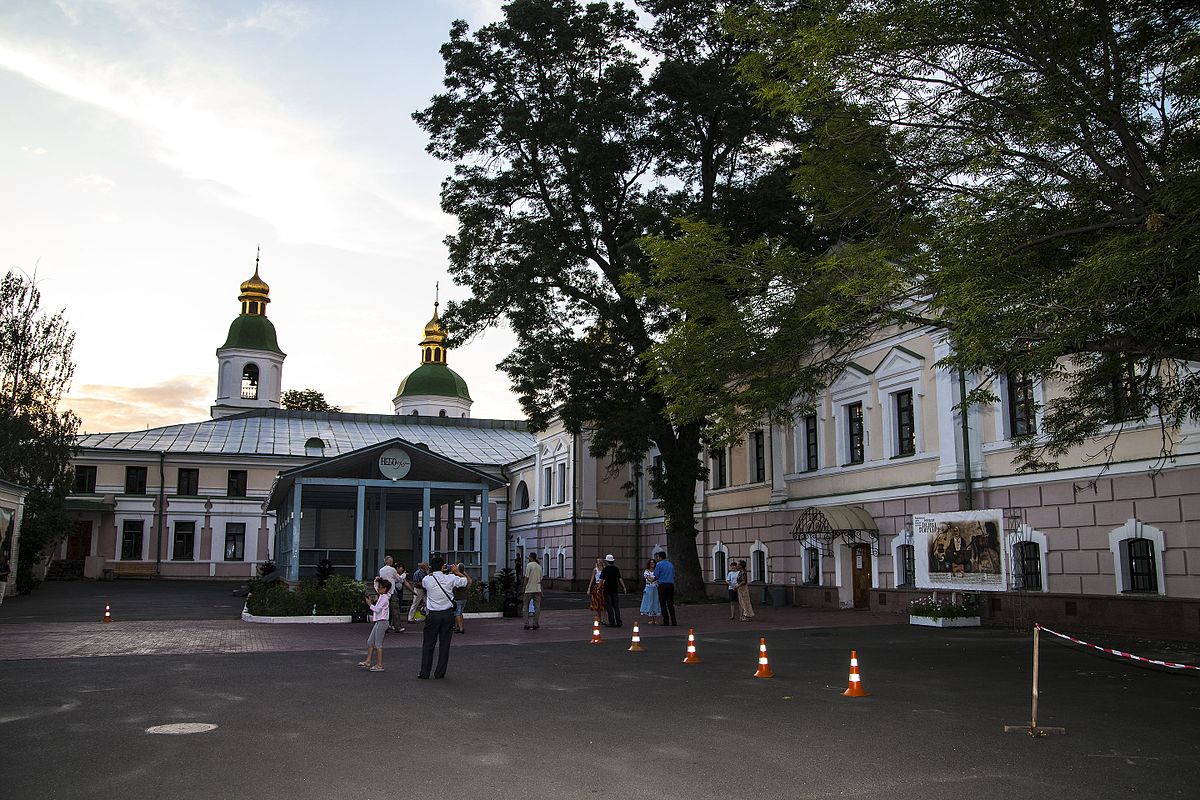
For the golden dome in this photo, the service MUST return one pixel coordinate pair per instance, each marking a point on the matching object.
(255, 294)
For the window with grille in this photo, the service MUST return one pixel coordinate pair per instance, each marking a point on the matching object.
(1022, 408)
(906, 430)
(184, 546)
(812, 566)
(854, 430)
(811, 463)
(1028, 562)
(1143, 575)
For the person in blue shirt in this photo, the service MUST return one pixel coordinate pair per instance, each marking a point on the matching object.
(664, 576)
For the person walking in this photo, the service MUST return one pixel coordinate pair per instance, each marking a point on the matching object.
(379, 618)
(390, 574)
(439, 621)
(596, 590)
(418, 584)
(610, 579)
(533, 593)
(664, 578)
(650, 608)
(743, 592)
(5, 572)
(731, 579)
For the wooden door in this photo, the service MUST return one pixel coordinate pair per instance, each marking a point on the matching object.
(79, 544)
(861, 565)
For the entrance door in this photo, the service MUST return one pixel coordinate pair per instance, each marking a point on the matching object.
(79, 544)
(861, 555)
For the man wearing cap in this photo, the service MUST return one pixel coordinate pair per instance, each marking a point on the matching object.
(611, 576)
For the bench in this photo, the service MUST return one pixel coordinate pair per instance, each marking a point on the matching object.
(132, 569)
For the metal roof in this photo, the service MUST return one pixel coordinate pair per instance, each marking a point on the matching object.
(279, 432)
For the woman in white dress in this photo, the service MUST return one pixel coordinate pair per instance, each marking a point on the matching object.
(650, 608)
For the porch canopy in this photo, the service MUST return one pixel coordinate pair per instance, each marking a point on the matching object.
(392, 498)
(820, 526)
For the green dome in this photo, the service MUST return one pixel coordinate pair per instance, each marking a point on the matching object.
(434, 379)
(252, 332)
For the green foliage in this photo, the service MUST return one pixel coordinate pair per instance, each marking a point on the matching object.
(1058, 147)
(481, 597)
(306, 400)
(932, 606)
(37, 440)
(338, 597)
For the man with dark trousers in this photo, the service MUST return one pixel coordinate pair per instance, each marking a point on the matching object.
(664, 577)
(611, 576)
(439, 618)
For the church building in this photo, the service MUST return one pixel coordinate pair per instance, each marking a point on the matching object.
(824, 511)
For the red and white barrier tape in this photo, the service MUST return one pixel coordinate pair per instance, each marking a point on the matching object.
(1121, 653)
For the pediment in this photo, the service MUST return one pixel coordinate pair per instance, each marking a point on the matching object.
(899, 361)
(855, 377)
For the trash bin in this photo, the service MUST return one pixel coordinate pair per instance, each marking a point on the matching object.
(779, 597)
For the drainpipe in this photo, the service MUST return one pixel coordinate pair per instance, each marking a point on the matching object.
(162, 499)
(637, 513)
(966, 441)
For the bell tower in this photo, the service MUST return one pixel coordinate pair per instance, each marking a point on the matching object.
(250, 363)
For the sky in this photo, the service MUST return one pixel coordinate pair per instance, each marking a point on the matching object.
(150, 146)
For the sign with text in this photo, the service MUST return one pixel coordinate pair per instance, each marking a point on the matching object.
(394, 463)
(960, 550)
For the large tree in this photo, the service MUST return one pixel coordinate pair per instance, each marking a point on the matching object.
(1058, 144)
(37, 440)
(568, 148)
(306, 400)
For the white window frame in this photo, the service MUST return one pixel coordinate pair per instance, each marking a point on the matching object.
(713, 468)
(195, 542)
(560, 562)
(801, 438)
(806, 558)
(712, 561)
(1136, 529)
(759, 547)
(547, 485)
(900, 371)
(752, 457)
(1003, 424)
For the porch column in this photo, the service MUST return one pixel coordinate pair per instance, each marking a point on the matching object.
(484, 533)
(360, 537)
(293, 568)
(382, 525)
(426, 525)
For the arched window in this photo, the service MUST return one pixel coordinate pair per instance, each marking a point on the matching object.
(562, 564)
(250, 382)
(758, 563)
(720, 561)
(442, 413)
(415, 413)
(314, 447)
(1137, 550)
(522, 496)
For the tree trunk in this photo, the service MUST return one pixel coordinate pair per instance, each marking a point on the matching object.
(682, 459)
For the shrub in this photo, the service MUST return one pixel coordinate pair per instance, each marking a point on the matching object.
(931, 606)
(339, 596)
(480, 600)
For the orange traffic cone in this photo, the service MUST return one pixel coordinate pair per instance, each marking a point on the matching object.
(855, 688)
(107, 613)
(692, 658)
(764, 667)
(596, 633)
(636, 645)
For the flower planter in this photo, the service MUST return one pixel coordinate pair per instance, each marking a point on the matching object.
(944, 622)
(308, 618)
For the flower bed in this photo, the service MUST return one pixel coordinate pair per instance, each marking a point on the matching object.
(941, 613)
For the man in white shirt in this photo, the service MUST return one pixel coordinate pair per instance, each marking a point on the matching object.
(533, 592)
(388, 573)
(439, 620)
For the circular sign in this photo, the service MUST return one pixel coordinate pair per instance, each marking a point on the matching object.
(394, 463)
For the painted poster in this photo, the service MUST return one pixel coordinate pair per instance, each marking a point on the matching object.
(960, 550)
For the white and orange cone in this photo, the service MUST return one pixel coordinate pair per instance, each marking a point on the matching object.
(635, 645)
(107, 613)
(692, 658)
(596, 633)
(855, 688)
(764, 666)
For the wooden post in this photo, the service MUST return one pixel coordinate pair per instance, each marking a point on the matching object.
(1033, 713)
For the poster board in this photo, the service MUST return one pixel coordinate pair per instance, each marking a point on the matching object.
(961, 550)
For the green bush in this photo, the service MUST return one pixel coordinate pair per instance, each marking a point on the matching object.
(339, 596)
(480, 600)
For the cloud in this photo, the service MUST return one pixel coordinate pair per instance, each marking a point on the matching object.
(284, 19)
(96, 182)
(243, 147)
(34, 151)
(105, 408)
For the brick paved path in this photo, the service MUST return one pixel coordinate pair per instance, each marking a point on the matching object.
(182, 637)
